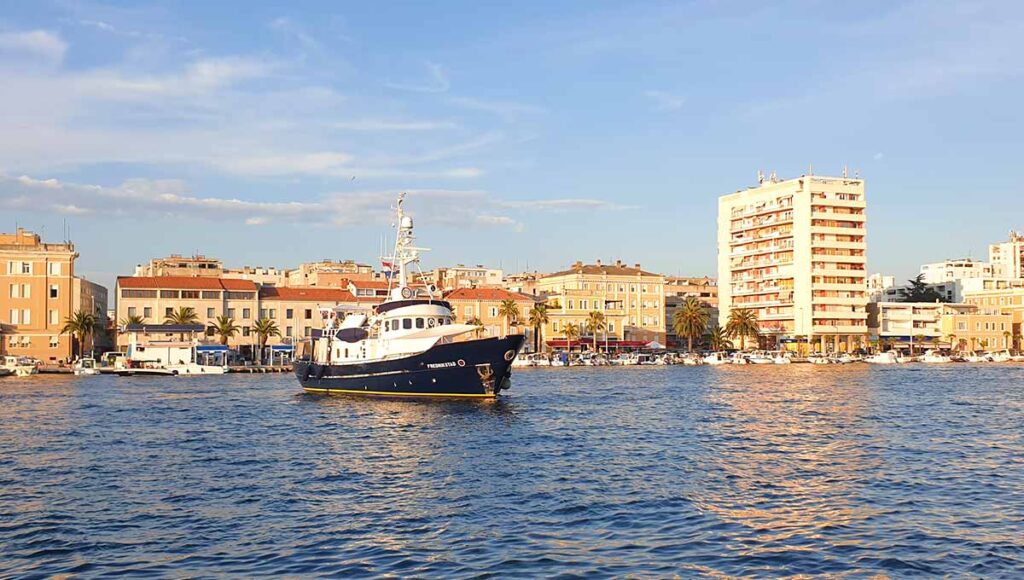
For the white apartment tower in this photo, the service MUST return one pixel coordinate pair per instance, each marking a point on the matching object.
(794, 251)
(1007, 258)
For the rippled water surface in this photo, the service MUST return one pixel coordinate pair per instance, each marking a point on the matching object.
(661, 471)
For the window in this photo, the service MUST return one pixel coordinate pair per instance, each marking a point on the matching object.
(306, 331)
(15, 291)
(494, 312)
(245, 331)
(239, 295)
(246, 312)
(26, 316)
(583, 304)
(273, 313)
(168, 293)
(54, 291)
(138, 293)
(419, 323)
(168, 311)
(569, 302)
(611, 326)
(288, 332)
(54, 317)
(14, 317)
(406, 323)
(289, 313)
(54, 341)
(147, 312)
(469, 311)
(190, 294)
(230, 313)
(211, 312)
(26, 267)
(211, 295)
(54, 268)
(131, 311)
(308, 314)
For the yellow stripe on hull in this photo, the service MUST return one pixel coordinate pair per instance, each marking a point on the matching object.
(400, 394)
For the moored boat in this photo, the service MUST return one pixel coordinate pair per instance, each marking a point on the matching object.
(19, 367)
(85, 367)
(889, 357)
(406, 346)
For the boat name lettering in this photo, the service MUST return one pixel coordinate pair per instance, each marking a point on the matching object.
(441, 365)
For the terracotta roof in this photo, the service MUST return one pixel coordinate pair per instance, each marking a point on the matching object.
(603, 269)
(487, 294)
(382, 284)
(186, 283)
(312, 294)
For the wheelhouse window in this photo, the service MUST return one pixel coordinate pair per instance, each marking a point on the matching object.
(406, 323)
(419, 323)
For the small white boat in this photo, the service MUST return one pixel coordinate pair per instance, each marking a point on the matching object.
(692, 360)
(1000, 356)
(739, 359)
(935, 357)
(976, 357)
(818, 359)
(760, 358)
(717, 358)
(85, 367)
(782, 358)
(19, 367)
(888, 357)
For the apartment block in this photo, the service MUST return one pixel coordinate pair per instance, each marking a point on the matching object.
(37, 294)
(1007, 258)
(484, 304)
(461, 276)
(794, 252)
(631, 299)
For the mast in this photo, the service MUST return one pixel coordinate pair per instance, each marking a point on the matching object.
(405, 253)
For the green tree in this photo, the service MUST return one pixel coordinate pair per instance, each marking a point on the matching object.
(132, 319)
(571, 332)
(690, 320)
(479, 324)
(718, 339)
(538, 318)
(264, 329)
(509, 310)
(225, 328)
(917, 290)
(919, 339)
(1008, 338)
(183, 315)
(595, 324)
(741, 324)
(80, 326)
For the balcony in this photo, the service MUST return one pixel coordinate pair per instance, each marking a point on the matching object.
(839, 329)
(841, 287)
(838, 300)
(838, 230)
(761, 224)
(839, 259)
(837, 245)
(829, 215)
(765, 250)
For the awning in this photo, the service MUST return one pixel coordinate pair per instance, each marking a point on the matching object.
(282, 347)
(212, 348)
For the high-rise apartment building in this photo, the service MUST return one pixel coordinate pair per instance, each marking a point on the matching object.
(952, 270)
(794, 252)
(1007, 258)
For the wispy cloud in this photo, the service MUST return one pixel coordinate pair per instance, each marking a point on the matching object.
(665, 101)
(437, 81)
(293, 30)
(375, 125)
(566, 205)
(34, 43)
(507, 110)
(308, 163)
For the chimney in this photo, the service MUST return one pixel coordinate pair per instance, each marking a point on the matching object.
(578, 264)
(637, 265)
(599, 261)
(618, 263)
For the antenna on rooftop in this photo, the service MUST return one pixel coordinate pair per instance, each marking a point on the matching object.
(845, 171)
(810, 169)
(760, 177)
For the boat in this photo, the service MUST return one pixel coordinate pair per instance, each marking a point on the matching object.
(760, 358)
(819, 359)
(1000, 356)
(692, 360)
(19, 366)
(85, 367)
(888, 357)
(5, 372)
(782, 358)
(163, 350)
(934, 356)
(717, 358)
(976, 357)
(406, 346)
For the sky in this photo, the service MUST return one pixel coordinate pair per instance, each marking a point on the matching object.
(527, 134)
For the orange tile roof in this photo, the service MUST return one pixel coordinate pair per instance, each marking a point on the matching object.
(487, 294)
(311, 294)
(185, 283)
(381, 284)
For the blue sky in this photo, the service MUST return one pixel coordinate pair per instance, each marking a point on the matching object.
(527, 133)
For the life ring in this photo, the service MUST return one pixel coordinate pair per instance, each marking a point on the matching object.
(407, 293)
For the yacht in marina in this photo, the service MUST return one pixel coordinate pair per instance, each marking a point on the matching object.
(408, 346)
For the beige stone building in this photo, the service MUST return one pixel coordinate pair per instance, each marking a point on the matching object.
(940, 325)
(484, 304)
(1008, 297)
(38, 292)
(794, 252)
(177, 265)
(631, 299)
(331, 274)
(461, 276)
(1007, 258)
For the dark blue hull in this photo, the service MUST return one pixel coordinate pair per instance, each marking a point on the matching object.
(473, 369)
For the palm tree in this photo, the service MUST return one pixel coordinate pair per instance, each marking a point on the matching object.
(690, 320)
(984, 344)
(1008, 338)
(974, 343)
(1016, 340)
(132, 319)
(264, 329)
(595, 323)
(571, 331)
(918, 338)
(183, 315)
(952, 341)
(509, 310)
(538, 318)
(479, 324)
(743, 323)
(225, 328)
(718, 340)
(80, 326)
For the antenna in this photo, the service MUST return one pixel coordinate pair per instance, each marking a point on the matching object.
(810, 169)
(845, 171)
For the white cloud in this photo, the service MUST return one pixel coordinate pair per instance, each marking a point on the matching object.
(665, 101)
(437, 83)
(507, 110)
(563, 205)
(256, 221)
(38, 43)
(289, 28)
(382, 125)
(307, 163)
